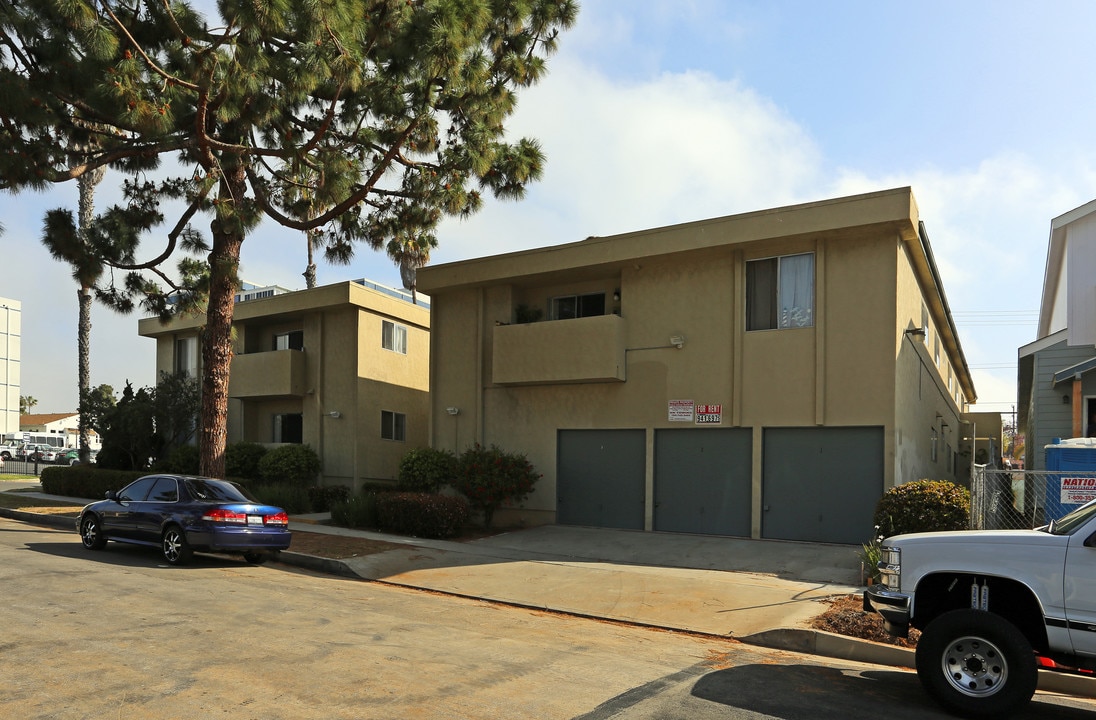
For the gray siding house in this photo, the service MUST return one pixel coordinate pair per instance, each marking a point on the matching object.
(1055, 378)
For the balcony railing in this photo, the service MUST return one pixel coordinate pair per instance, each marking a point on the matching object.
(278, 373)
(580, 350)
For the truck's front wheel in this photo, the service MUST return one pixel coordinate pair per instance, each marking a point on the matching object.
(976, 663)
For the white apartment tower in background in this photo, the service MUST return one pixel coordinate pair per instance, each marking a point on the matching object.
(11, 314)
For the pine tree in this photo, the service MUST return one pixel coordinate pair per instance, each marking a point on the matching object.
(393, 109)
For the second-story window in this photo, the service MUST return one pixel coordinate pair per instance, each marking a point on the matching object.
(292, 340)
(186, 356)
(394, 337)
(780, 292)
(566, 307)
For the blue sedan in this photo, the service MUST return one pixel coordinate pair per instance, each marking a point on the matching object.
(182, 514)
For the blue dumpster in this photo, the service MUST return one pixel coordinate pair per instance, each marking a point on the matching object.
(1071, 482)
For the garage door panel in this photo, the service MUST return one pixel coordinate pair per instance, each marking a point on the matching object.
(600, 476)
(702, 481)
(821, 484)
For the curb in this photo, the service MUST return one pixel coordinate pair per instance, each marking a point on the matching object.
(54, 521)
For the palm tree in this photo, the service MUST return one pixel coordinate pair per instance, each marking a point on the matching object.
(69, 243)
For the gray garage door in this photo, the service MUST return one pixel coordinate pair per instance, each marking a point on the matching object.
(600, 478)
(702, 480)
(821, 484)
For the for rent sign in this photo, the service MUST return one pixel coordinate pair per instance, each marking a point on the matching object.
(1076, 491)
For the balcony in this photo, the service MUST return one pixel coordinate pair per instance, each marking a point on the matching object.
(278, 373)
(581, 350)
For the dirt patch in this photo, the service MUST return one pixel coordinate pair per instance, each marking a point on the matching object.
(846, 616)
(338, 547)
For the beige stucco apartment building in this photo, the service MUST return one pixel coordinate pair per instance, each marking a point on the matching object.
(764, 375)
(343, 368)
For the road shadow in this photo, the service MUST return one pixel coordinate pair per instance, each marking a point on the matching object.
(794, 692)
(126, 555)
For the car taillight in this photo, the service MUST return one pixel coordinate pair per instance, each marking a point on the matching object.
(225, 516)
(276, 519)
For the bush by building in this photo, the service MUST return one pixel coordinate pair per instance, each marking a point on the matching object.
(923, 506)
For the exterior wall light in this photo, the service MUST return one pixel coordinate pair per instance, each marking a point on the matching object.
(453, 410)
(678, 341)
(335, 414)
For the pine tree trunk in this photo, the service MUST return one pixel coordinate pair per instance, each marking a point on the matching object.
(224, 262)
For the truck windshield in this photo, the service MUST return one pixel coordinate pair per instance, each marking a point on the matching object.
(1069, 522)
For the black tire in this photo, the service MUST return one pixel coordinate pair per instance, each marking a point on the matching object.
(977, 664)
(176, 549)
(91, 533)
(256, 558)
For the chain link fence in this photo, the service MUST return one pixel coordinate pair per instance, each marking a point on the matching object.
(1015, 499)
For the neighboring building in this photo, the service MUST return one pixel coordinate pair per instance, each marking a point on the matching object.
(11, 322)
(57, 429)
(342, 368)
(763, 375)
(1056, 385)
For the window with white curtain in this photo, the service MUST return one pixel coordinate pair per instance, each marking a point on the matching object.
(394, 337)
(780, 292)
(186, 356)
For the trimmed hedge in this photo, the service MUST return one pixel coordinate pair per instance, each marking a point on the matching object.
(426, 470)
(323, 498)
(86, 481)
(297, 464)
(424, 515)
(359, 511)
(923, 506)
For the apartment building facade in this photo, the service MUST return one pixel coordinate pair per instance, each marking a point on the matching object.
(343, 368)
(764, 375)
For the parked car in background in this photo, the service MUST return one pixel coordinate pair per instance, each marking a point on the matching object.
(8, 450)
(182, 514)
(36, 453)
(72, 457)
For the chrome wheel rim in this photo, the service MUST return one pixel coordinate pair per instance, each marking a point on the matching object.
(173, 544)
(974, 666)
(90, 534)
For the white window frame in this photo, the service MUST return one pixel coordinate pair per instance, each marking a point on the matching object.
(394, 337)
(783, 319)
(555, 305)
(186, 356)
(290, 340)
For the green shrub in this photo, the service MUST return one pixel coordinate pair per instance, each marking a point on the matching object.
(923, 506)
(490, 478)
(322, 498)
(426, 470)
(359, 511)
(426, 515)
(290, 497)
(242, 460)
(183, 460)
(86, 481)
(296, 464)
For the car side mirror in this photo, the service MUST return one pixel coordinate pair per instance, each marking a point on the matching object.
(111, 495)
(1090, 541)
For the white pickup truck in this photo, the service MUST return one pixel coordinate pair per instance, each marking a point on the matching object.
(993, 606)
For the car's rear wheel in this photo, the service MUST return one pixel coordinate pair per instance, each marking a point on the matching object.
(256, 558)
(91, 533)
(177, 550)
(976, 663)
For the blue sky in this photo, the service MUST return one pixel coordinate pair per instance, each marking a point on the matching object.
(658, 112)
